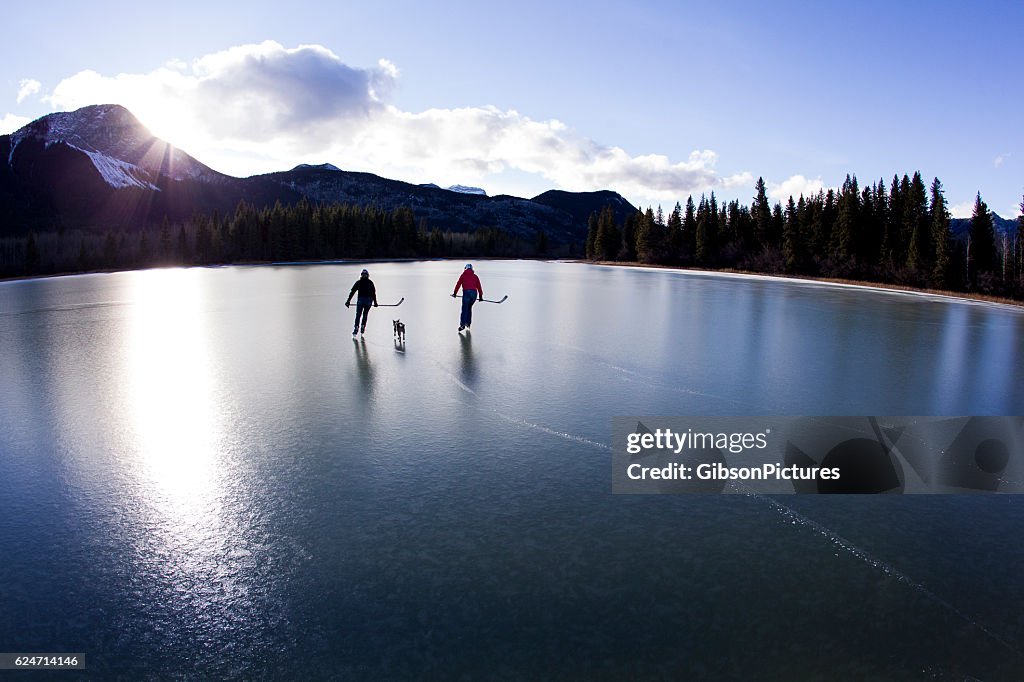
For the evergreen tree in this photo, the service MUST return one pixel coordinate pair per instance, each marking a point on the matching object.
(608, 240)
(657, 235)
(407, 236)
(829, 210)
(675, 234)
(1019, 242)
(282, 242)
(165, 242)
(865, 237)
(723, 226)
(714, 227)
(436, 244)
(646, 238)
(184, 250)
(542, 243)
(778, 224)
(917, 227)
(791, 238)
(690, 228)
(702, 251)
(144, 256)
(110, 259)
(813, 223)
(762, 214)
(32, 258)
(941, 238)
(707, 231)
(1014, 278)
(592, 237)
(842, 247)
(83, 255)
(804, 231)
(628, 250)
(731, 233)
(892, 249)
(204, 241)
(880, 220)
(904, 228)
(982, 249)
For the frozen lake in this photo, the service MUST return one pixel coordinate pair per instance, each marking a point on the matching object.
(204, 474)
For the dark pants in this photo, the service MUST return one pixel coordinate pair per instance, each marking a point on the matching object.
(468, 299)
(362, 310)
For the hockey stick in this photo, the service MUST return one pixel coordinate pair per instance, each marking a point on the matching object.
(486, 300)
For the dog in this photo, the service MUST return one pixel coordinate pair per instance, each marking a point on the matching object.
(399, 330)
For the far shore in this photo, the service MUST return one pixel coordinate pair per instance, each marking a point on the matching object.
(860, 284)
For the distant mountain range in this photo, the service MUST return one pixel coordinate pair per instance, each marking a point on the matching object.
(960, 227)
(99, 168)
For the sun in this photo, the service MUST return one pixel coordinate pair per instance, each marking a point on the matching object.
(173, 126)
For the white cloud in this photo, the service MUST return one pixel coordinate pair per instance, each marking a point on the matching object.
(260, 108)
(998, 161)
(452, 145)
(28, 87)
(794, 186)
(9, 123)
(962, 210)
(744, 180)
(252, 93)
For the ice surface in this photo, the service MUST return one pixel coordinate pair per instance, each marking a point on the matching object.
(218, 467)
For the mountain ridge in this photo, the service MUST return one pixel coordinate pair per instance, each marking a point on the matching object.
(98, 168)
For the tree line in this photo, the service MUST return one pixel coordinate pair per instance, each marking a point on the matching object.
(299, 232)
(898, 234)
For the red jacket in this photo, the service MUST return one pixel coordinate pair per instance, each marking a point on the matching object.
(469, 280)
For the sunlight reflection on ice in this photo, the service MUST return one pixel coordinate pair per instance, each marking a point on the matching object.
(172, 411)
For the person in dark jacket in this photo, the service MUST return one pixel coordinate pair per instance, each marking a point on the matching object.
(367, 297)
(471, 290)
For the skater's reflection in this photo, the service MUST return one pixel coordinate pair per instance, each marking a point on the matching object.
(365, 369)
(468, 368)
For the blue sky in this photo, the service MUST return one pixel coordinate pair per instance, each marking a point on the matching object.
(657, 100)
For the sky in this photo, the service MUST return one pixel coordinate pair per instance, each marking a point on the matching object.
(656, 100)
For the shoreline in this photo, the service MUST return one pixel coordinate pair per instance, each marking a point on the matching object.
(725, 272)
(828, 281)
(242, 264)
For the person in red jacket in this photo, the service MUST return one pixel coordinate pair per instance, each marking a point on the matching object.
(471, 290)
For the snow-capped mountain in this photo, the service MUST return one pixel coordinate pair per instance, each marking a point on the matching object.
(123, 151)
(320, 166)
(99, 168)
(462, 189)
